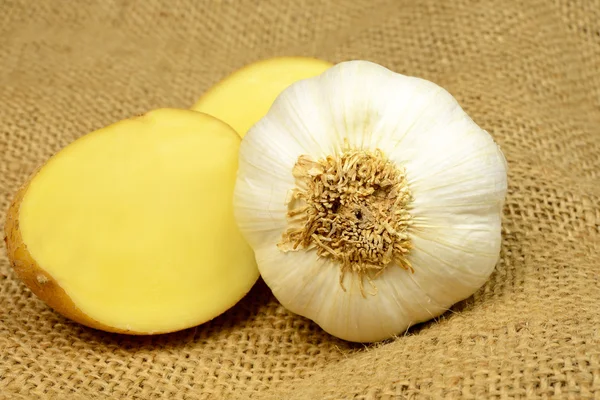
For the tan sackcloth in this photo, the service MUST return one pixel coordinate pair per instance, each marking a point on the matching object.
(526, 71)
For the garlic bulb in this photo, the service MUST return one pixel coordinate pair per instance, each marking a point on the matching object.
(371, 200)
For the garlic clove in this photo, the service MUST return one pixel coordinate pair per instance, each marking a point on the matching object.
(399, 301)
(444, 282)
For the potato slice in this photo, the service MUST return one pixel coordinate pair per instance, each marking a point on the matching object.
(245, 96)
(130, 228)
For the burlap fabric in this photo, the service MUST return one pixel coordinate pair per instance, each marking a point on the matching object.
(528, 72)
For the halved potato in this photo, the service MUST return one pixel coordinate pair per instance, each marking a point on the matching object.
(130, 228)
(245, 96)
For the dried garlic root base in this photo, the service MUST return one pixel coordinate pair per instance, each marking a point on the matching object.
(245, 96)
(130, 229)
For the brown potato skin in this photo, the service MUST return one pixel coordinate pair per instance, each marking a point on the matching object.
(39, 281)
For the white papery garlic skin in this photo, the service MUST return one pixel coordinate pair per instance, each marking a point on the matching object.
(451, 173)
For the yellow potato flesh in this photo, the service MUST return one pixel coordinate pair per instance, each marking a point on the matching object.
(135, 222)
(245, 96)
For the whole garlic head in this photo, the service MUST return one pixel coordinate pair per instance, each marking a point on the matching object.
(371, 200)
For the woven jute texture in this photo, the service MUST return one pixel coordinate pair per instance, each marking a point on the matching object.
(526, 71)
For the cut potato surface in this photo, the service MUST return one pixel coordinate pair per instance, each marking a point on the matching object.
(245, 96)
(130, 228)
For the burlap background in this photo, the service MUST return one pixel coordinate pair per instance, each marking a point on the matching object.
(527, 72)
